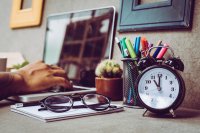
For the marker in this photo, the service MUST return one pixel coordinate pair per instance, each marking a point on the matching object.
(118, 43)
(134, 46)
(125, 51)
(130, 48)
(144, 46)
(162, 52)
(137, 48)
(158, 49)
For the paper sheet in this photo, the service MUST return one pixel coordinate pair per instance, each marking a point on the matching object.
(47, 116)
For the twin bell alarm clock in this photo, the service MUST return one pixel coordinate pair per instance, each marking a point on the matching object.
(159, 87)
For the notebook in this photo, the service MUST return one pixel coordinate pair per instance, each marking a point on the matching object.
(48, 116)
(77, 41)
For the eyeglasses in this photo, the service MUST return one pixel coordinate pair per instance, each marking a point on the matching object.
(62, 103)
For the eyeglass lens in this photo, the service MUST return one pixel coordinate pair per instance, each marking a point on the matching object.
(96, 102)
(58, 103)
(61, 103)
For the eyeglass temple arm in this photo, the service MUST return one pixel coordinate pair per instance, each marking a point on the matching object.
(42, 109)
(78, 106)
(92, 105)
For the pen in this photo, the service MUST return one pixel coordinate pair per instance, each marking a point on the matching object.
(19, 105)
(162, 52)
(130, 48)
(118, 43)
(158, 49)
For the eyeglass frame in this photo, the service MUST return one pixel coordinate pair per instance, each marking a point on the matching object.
(72, 97)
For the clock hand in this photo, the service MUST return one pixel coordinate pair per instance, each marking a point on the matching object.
(159, 77)
(157, 85)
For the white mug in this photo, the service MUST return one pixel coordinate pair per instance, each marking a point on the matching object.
(3, 62)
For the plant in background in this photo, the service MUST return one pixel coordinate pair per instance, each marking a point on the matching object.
(108, 69)
(18, 66)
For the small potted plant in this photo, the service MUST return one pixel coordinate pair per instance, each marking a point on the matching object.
(109, 80)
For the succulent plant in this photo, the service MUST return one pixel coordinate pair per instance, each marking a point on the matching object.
(108, 69)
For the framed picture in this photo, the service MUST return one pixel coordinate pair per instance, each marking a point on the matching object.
(162, 14)
(21, 18)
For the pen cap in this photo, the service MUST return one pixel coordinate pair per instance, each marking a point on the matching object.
(144, 44)
(117, 40)
(135, 43)
(137, 46)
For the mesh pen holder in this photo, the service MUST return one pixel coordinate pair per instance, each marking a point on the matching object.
(130, 74)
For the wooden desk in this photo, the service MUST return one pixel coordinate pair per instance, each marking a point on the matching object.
(129, 121)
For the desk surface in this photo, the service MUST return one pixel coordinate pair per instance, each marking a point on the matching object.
(129, 121)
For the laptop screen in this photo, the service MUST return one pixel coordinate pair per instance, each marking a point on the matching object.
(78, 41)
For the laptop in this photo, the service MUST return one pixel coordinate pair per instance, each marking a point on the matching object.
(76, 41)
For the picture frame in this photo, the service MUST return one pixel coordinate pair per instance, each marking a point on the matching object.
(26, 17)
(164, 14)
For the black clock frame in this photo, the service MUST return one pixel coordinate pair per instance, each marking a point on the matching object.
(179, 99)
(168, 14)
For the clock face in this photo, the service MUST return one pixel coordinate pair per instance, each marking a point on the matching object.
(158, 88)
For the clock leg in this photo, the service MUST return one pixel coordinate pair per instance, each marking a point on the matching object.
(144, 113)
(171, 111)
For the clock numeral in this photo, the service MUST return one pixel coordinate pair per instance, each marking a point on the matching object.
(172, 89)
(148, 81)
(171, 82)
(160, 75)
(170, 95)
(146, 87)
(166, 77)
(152, 100)
(153, 77)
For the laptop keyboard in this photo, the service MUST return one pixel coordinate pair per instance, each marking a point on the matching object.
(57, 89)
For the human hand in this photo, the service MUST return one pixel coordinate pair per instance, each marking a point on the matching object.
(40, 76)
